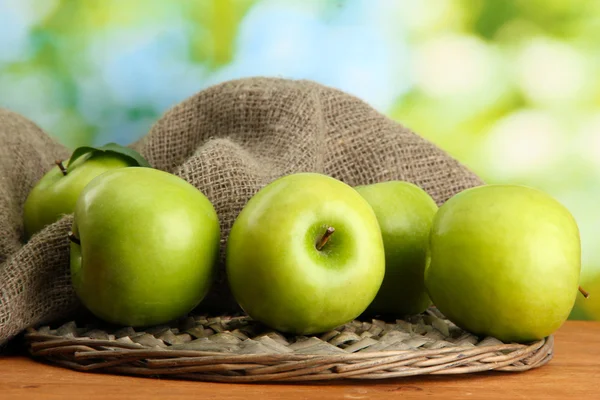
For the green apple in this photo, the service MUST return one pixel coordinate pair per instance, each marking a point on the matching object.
(505, 262)
(305, 255)
(144, 249)
(56, 193)
(405, 213)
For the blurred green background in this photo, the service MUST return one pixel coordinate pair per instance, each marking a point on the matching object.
(510, 88)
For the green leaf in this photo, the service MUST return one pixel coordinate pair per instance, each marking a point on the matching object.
(108, 148)
(79, 152)
(127, 152)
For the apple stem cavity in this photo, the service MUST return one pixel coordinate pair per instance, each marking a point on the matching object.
(74, 238)
(325, 238)
(61, 166)
(585, 293)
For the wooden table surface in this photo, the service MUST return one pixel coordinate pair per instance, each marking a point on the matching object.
(573, 373)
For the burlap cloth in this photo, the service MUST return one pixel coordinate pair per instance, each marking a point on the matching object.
(229, 141)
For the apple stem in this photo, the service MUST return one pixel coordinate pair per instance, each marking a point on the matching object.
(73, 238)
(61, 166)
(325, 238)
(584, 292)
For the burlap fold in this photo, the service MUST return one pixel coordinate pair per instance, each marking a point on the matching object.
(229, 141)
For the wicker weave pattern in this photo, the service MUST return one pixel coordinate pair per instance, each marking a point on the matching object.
(237, 349)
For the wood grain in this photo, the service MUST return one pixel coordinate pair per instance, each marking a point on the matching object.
(574, 372)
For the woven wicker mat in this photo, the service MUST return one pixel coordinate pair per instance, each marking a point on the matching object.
(237, 349)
